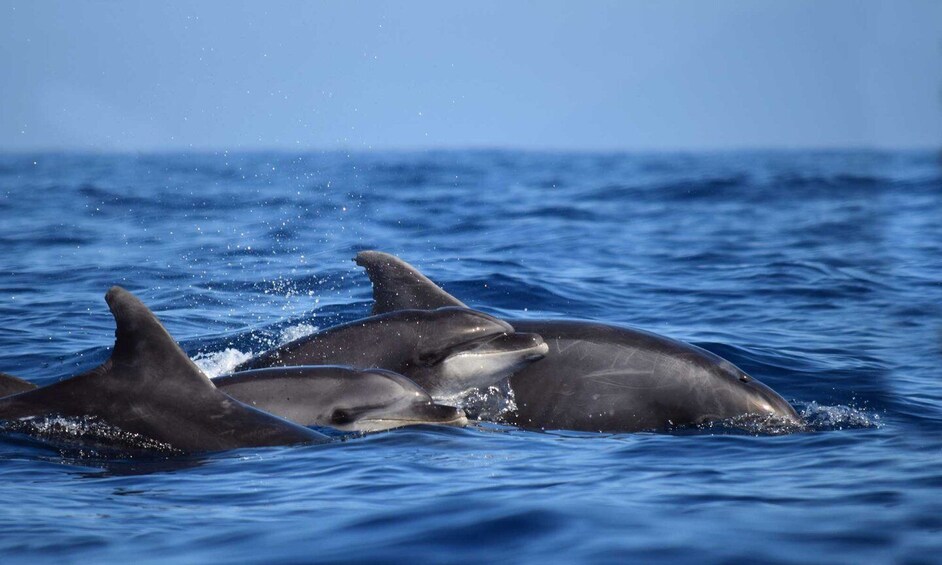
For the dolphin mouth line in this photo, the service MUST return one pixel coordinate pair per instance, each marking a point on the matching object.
(540, 352)
(531, 353)
(456, 421)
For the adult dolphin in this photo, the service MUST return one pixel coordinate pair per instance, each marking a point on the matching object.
(445, 350)
(361, 400)
(599, 377)
(148, 394)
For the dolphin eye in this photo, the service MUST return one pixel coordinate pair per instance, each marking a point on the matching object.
(341, 417)
(744, 378)
(429, 359)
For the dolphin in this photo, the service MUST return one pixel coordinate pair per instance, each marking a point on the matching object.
(339, 397)
(599, 377)
(444, 350)
(147, 395)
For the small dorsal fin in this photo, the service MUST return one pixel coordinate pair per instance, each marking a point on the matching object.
(142, 342)
(13, 385)
(398, 285)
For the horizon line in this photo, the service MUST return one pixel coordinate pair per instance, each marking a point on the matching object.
(480, 148)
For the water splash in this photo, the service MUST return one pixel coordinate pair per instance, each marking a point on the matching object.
(821, 418)
(495, 403)
(219, 363)
(814, 418)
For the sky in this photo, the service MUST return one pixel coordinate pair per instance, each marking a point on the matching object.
(602, 75)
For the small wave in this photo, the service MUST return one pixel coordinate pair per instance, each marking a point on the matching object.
(833, 180)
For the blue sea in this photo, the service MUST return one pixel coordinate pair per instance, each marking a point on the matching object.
(820, 273)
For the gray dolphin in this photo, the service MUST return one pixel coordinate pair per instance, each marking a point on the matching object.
(148, 394)
(445, 350)
(362, 400)
(599, 377)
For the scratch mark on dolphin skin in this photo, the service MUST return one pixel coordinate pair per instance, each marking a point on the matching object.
(562, 349)
(657, 362)
(621, 359)
(615, 379)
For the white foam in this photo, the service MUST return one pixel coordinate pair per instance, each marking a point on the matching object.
(217, 363)
(838, 417)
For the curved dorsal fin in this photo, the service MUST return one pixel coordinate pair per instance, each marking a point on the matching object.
(142, 342)
(398, 285)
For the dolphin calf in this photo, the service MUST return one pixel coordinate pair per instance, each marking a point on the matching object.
(599, 377)
(149, 395)
(444, 350)
(344, 398)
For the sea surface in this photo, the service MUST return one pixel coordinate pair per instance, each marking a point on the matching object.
(820, 273)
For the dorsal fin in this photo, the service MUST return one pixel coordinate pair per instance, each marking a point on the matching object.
(13, 385)
(398, 285)
(142, 342)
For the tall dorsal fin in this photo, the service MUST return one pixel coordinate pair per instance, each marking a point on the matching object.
(398, 285)
(142, 342)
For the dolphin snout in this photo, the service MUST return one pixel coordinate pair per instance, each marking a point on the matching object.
(770, 402)
(535, 346)
(443, 414)
(525, 346)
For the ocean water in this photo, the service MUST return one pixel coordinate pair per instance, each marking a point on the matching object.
(818, 272)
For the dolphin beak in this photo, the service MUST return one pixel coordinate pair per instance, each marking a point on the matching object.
(441, 414)
(415, 415)
(772, 403)
(531, 346)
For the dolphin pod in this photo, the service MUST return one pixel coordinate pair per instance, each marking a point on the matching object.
(150, 395)
(385, 371)
(599, 377)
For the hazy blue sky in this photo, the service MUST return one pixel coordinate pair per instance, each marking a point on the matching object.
(573, 75)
